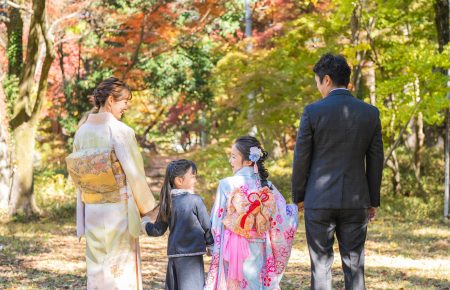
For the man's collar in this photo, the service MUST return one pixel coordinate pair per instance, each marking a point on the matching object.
(336, 89)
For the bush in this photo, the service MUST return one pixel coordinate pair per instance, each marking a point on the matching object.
(55, 194)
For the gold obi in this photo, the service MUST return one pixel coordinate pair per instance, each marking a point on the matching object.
(250, 213)
(98, 174)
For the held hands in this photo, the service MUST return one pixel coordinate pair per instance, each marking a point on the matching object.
(144, 222)
(372, 213)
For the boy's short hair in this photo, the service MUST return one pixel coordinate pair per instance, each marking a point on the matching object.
(336, 67)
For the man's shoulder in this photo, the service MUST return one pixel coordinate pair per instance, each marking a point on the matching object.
(327, 102)
(313, 106)
(367, 107)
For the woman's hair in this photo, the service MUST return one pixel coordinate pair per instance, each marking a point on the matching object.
(243, 145)
(112, 86)
(176, 168)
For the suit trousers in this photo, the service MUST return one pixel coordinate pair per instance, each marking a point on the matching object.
(350, 227)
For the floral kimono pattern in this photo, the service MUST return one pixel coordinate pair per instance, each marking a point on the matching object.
(253, 231)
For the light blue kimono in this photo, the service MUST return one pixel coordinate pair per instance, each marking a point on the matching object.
(268, 254)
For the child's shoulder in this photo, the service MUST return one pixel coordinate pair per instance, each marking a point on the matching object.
(230, 183)
(193, 197)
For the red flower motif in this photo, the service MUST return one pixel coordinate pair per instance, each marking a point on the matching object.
(289, 235)
(244, 284)
(270, 265)
(279, 219)
(267, 281)
(220, 212)
(280, 267)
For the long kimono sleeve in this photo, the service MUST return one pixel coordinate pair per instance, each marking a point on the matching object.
(280, 240)
(216, 274)
(80, 208)
(127, 151)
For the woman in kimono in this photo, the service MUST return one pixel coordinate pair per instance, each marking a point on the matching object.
(253, 228)
(108, 212)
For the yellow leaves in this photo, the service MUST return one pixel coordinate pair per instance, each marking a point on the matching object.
(168, 32)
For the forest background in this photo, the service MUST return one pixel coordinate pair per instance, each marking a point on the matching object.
(202, 74)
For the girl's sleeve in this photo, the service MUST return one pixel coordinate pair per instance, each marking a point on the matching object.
(217, 229)
(203, 218)
(156, 229)
(218, 213)
(281, 235)
(127, 151)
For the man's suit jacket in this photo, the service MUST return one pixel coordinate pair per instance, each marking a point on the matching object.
(338, 158)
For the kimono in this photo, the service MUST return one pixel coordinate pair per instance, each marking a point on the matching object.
(111, 222)
(253, 230)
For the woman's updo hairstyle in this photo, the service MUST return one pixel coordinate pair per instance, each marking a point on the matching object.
(114, 87)
(243, 145)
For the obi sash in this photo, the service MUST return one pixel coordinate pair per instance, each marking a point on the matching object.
(249, 214)
(99, 175)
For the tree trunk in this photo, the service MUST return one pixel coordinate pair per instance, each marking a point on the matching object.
(22, 197)
(416, 142)
(27, 109)
(371, 82)
(441, 8)
(355, 25)
(418, 149)
(442, 22)
(15, 47)
(393, 164)
(5, 154)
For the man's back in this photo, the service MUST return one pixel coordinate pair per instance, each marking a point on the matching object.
(340, 134)
(336, 177)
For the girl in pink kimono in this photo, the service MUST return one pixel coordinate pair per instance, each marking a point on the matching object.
(252, 225)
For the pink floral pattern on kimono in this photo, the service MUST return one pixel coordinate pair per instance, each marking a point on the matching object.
(269, 251)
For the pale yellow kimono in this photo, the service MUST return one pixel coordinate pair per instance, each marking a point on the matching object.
(112, 245)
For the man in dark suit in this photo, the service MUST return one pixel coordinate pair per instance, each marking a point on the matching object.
(338, 162)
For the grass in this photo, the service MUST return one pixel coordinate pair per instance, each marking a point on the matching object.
(407, 247)
(400, 254)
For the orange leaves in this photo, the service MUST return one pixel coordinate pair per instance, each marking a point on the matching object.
(148, 31)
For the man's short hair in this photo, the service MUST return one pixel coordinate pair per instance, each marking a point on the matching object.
(336, 67)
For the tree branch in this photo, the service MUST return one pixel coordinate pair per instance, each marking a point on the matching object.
(58, 21)
(402, 131)
(18, 6)
(135, 56)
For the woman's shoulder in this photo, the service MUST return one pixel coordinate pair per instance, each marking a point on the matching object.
(121, 129)
(119, 125)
